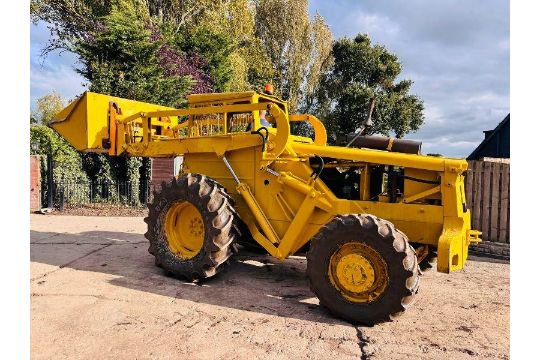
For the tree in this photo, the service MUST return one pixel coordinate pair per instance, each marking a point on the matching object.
(214, 47)
(247, 43)
(122, 58)
(224, 33)
(132, 49)
(298, 48)
(46, 141)
(213, 41)
(361, 84)
(69, 20)
(46, 108)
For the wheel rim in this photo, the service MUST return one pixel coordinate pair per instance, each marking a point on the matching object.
(358, 272)
(184, 229)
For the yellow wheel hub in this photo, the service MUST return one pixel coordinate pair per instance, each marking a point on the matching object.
(358, 272)
(184, 229)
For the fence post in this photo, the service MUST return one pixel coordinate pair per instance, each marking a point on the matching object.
(91, 191)
(61, 198)
(505, 203)
(145, 191)
(476, 214)
(486, 200)
(469, 177)
(495, 204)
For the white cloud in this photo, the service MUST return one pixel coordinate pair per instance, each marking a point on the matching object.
(372, 23)
(55, 72)
(456, 52)
(433, 114)
(61, 79)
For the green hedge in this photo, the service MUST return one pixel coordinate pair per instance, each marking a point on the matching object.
(72, 166)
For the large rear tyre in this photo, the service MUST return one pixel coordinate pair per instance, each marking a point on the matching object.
(191, 227)
(362, 269)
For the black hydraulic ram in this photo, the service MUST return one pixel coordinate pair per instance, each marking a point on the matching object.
(386, 143)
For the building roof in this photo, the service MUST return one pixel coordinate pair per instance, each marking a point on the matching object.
(489, 136)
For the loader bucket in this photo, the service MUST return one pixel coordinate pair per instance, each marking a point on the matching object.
(84, 123)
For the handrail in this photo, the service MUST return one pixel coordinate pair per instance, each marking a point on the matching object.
(320, 131)
(210, 110)
(280, 136)
(283, 131)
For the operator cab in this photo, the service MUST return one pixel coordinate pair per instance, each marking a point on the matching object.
(239, 122)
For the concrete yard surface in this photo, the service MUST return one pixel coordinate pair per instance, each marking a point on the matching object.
(96, 294)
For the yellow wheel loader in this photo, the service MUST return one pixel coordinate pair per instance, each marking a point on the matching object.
(370, 217)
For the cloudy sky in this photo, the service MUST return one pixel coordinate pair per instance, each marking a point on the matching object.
(456, 52)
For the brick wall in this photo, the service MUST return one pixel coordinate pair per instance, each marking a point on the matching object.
(162, 170)
(35, 183)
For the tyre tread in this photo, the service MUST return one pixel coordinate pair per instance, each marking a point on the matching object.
(387, 233)
(219, 207)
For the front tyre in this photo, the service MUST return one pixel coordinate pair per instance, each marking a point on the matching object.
(362, 269)
(191, 227)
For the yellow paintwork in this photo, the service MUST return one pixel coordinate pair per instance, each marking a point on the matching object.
(318, 127)
(358, 272)
(85, 123)
(277, 196)
(184, 229)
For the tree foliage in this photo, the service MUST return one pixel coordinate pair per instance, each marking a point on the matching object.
(213, 41)
(68, 161)
(363, 74)
(46, 108)
(223, 32)
(239, 44)
(251, 66)
(122, 58)
(298, 48)
(69, 20)
(214, 49)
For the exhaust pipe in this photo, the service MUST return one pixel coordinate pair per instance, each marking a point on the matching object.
(385, 143)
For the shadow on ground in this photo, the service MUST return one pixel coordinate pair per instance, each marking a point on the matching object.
(251, 282)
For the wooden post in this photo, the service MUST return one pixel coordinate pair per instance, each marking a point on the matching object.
(505, 203)
(476, 214)
(469, 186)
(495, 204)
(486, 200)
